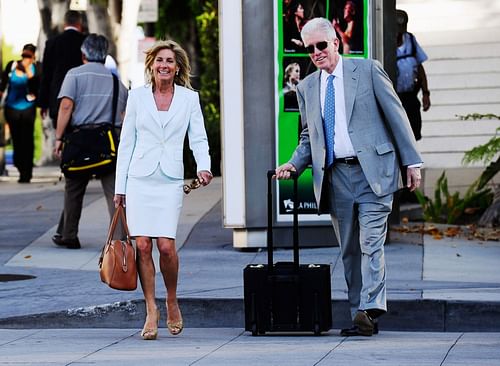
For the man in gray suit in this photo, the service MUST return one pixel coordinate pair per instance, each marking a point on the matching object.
(356, 135)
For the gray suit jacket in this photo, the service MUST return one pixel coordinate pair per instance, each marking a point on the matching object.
(377, 124)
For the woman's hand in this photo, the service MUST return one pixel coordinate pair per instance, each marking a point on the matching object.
(119, 200)
(205, 177)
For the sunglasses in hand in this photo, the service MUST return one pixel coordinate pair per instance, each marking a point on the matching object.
(195, 183)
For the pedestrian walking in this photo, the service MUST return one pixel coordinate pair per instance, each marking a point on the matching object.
(61, 54)
(355, 134)
(21, 80)
(411, 76)
(86, 99)
(150, 170)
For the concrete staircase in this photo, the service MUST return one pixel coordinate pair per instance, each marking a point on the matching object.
(462, 40)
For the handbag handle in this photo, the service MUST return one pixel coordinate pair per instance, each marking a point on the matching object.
(119, 214)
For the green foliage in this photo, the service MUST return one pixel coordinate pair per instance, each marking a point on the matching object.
(207, 24)
(487, 151)
(38, 135)
(451, 208)
(476, 116)
(176, 20)
(8, 54)
(194, 24)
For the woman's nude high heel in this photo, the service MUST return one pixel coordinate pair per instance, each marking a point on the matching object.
(149, 334)
(175, 327)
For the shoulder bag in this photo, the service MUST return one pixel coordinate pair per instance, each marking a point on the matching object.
(91, 149)
(117, 263)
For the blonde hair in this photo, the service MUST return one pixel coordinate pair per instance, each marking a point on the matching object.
(289, 70)
(182, 77)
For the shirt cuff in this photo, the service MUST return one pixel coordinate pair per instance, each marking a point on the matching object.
(419, 165)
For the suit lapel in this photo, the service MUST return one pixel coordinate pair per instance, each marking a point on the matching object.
(351, 77)
(314, 95)
(150, 104)
(175, 105)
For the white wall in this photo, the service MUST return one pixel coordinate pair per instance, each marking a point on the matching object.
(462, 40)
(20, 23)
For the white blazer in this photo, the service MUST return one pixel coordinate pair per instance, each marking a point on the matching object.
(146, 141)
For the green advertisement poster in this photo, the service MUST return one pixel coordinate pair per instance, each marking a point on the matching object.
(350, 20)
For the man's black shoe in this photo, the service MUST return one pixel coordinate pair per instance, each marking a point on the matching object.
(355, 331)
(68, 243)
(364, 323)
(58, 240)
(72, 243)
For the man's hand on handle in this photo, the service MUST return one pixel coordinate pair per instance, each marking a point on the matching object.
(283, 171)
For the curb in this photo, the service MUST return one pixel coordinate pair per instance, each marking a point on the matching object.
(403, 315)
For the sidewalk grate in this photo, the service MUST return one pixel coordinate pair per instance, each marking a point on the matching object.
(15, 277)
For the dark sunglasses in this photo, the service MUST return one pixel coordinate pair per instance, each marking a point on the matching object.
(196, 183)
(320, 46)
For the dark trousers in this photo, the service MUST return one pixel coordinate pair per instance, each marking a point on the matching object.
(412, 105)
(22, 128)
(74, 191)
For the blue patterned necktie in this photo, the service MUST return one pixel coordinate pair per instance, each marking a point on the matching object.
(329, 120)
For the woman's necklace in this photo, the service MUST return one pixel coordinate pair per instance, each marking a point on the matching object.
(164, 99)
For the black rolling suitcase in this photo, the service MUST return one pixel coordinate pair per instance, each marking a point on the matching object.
(286, 296)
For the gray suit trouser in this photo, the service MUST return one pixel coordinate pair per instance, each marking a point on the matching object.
(360, 221)
(74, 192)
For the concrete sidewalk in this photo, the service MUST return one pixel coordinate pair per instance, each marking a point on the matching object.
(232, 346)
(451, 284)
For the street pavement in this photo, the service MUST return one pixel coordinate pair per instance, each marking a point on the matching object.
(444, 295)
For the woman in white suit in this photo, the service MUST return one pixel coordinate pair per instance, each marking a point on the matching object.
(150, 170)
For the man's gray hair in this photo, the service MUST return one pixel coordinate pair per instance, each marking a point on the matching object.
(95, 48)
(319, 25)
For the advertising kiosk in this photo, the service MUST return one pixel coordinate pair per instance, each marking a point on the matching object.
(262, 58)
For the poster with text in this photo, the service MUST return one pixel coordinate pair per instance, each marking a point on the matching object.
(350, 21)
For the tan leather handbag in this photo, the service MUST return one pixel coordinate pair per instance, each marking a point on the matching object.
(117, 263)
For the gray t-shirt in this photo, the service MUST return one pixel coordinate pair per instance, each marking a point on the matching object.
(90, 87)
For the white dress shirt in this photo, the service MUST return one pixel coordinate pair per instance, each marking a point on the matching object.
(342, 144)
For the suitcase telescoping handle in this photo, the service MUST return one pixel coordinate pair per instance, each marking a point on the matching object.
(270, 244)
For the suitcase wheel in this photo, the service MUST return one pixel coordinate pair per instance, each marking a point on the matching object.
(254, 330)
(317, 331)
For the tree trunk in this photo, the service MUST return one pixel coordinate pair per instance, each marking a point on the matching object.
(100, 23)
(115, 18)
(126, 32)
(491, 217)
(52, 20)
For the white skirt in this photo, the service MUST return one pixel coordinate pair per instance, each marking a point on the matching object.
(153, 205)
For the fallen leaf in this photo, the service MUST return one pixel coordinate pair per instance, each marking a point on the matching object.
(452, 231)
(27, 257)
(437, 235)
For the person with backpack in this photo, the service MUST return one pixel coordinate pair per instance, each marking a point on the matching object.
(411, 77)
